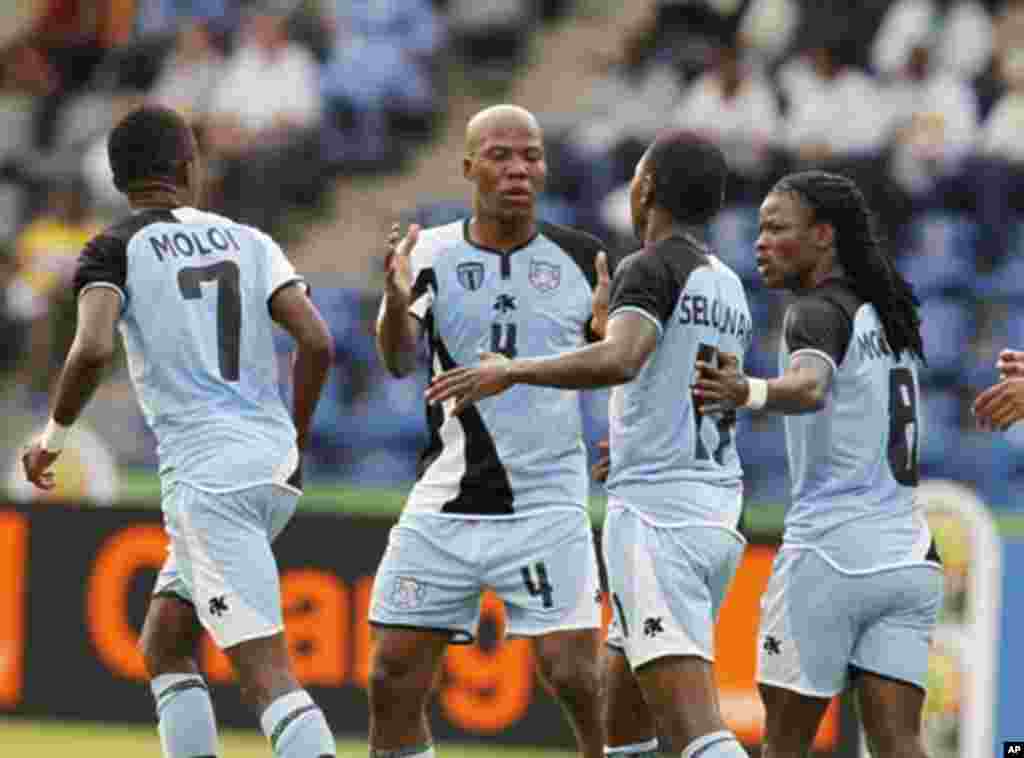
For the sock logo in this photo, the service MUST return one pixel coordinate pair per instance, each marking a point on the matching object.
(218, 605)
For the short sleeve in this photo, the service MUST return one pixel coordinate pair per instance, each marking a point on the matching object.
(280, 271)
(817, 325)
(643, 284)
(424, 284)
(102, 263)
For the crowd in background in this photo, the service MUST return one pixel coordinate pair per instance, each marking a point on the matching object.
(922, 101)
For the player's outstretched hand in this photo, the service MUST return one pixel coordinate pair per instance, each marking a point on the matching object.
(397, 268)
(1010, 363)
(599, 471)
(1001, 406)
(599, 302)
(468, 385)
(37, 462)
(722, 388)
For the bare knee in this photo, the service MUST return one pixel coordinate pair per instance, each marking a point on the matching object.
(169, 637)
(400, 682)
(572, 678)
(894, 741)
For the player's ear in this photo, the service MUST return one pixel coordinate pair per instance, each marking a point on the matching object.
(467, 167)
(824, 235)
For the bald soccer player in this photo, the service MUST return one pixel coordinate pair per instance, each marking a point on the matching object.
(500, 499)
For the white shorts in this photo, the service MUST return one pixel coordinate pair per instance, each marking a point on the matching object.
(817, 622)
(220, 559)
(667, 585)
(543, 566)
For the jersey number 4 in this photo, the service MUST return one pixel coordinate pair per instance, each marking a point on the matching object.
(903, 426)
(229, 309)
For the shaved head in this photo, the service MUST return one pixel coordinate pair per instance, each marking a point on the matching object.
(498, 118)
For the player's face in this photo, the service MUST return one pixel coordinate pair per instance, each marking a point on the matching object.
(639, 190)
(508, 170)
(785, 246)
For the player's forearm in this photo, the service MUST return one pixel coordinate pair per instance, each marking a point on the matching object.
(597, 365)
(308, 376)
(78, 381)
(795, 393)
(396, 340)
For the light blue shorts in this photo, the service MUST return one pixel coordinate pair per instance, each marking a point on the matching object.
(543, 566)
(817, 622)
(220, 559)
(667, 584)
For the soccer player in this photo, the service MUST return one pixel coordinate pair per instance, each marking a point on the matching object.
(856, 587)
(500, 501)
(195, 296)
(1002, 405)
(670, 543)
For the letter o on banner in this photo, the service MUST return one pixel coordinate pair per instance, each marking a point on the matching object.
(119, 558)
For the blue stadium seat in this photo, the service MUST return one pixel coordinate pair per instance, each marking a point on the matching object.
(1006, 280)
(941, 254)
(732, 234)
(941, 411)
(1003, 328)
(947, 327)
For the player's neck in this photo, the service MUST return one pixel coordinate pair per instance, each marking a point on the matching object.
(157, 196)
(661, 226)
(502, 234)
(831, 269)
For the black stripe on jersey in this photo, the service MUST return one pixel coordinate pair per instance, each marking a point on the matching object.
(435, 414)
(485, 488)
(425, 280)
(105, 257)
(933, 553)
(823, 319)
(583, 249)
(652, 279)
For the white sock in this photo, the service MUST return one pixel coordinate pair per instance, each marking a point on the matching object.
(715, 745)
(648, 749)
(296, 728)
(185, 718)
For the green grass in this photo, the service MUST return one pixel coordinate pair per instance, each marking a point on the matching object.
(27, 738)
(141, 487)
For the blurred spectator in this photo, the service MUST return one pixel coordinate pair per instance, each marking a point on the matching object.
(770, 26)
(263, 122)
(190, 76)
(382, 63)
(165, 17)
(492, 34)
(963, 31)
(46, 252)
(74, 35)
(12, 327)
(935, 123)
(998, 176)
(734, 105)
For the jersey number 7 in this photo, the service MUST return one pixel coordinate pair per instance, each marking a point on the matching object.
(229, 309)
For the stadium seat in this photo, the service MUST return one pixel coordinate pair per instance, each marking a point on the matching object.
(947, 326)
(1006, 280)
(941, 254)
(733, 234)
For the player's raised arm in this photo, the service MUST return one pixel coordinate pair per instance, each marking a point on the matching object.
(91, 351)
(296, 313)
(397, 330)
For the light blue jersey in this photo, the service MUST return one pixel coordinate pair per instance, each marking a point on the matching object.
(854, 463)
(195, 319)
(521, 451)
(669, 463)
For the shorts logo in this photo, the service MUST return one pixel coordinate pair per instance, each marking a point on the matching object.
(545, 276)
(408, 593)
(471, 275)
(772, 645)
(653, 626)
(218, 606)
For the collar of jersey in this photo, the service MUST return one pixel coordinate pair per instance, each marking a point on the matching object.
(484, 248)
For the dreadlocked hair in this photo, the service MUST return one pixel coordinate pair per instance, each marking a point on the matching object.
(838, 201)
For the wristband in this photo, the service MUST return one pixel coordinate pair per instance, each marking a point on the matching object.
(757, 394)
(54, 436)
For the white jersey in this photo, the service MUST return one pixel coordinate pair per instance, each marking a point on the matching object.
(854, 463)
(521, 451)
(670, 463)
(195, 319)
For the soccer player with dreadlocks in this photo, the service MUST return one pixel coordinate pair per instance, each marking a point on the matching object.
(856, 587)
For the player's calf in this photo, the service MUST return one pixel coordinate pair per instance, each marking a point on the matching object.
(185, 717)
(629, 728)
(568, 663)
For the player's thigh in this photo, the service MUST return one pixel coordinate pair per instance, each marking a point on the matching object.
(627, 719)
(809, 622)
(428, 579)
(170, 635)
(791, 720)
(221, 546)
(544, 567)
(904, 608)
(405, 661)
(666, 586)
(890, 711)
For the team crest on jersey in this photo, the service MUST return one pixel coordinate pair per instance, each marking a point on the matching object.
(545, 276)
(471, 275)
(407, 593)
